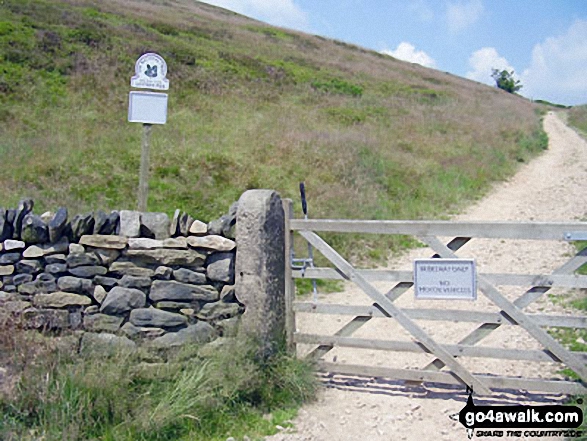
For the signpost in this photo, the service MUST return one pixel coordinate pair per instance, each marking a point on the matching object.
(148, 108)
(445, 279)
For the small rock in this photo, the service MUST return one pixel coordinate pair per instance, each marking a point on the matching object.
(174, 226)
(56, 226)
(76, 248)
(155, 225)
(102, 323)
(99, 294)
(81, 225)
(220, 267)
(168, 257)
(29, 267)
(142, 283)
(157, 318)
(184, 275)
(75, 285)
(183, 292)
(11, 245)
(201, 332)
(198, 228)
(163, 273)
(216, 243)
(82, 259)
(108, 282)
(129, 223)
(120, 300)
(9, 258)
(120, 269)
(105, 344)
(47, 319)
(6, 270)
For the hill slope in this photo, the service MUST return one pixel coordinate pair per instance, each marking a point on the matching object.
(250, 106)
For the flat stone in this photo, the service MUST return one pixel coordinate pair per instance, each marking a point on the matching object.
(199, 333)
(108, 282)
(109, 225)
(88, 272)
(29, 267)
(75, 285)
(19, 279)
(56, 268)
(216, 243)
(6, 229)
(6, 270)
(36, 251)
(55, 258)
(218, 310)
(176, 291)
(15, 306)
(155, 225)
(46, 319)
(107, 256)
(184, 275)
(176, 306)
(220, 267)
(168, 257)
(76, 248)
(198, 228)
(34, 230)
(56, 225)
(92, 309)
(102, 323)
(133, 331)
(142, 283)
(185, 222)
(141, 243)
(81, 225)
(157, 318)
(174, 226)
(45, 283)
(129, 223)
(11, 245)
(9, 258)
(105, 344)
(163, 273)
(99, 294)
(120, 300)
(25, 206)
(82, 259)
(128, 268)
(104, 241)
(100, 218)
(60, 299)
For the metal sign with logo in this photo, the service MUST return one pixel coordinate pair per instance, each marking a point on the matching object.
(445, 279)
(150, 73)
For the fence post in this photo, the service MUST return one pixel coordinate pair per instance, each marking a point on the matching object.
(260, 267)
(290, 287)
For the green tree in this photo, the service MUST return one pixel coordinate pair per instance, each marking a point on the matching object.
(505, 80)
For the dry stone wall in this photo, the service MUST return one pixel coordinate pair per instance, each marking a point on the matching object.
(125, 276)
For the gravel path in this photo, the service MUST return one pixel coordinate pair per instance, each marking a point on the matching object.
(550, 188)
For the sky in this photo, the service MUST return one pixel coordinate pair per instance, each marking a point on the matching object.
(543, 41)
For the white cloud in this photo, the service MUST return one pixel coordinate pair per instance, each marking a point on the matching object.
(407, 52)
(276, 12)
(558, 70)
(482, 63)
(462, 15)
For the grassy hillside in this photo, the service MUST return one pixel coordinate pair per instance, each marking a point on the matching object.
(251, 106)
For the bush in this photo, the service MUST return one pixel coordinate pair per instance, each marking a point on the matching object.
(505, 80)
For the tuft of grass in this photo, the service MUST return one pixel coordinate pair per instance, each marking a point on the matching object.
(232, 391)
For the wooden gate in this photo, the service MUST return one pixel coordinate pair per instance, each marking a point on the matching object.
(447, 365)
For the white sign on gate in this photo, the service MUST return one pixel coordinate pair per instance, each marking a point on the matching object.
(445, 279)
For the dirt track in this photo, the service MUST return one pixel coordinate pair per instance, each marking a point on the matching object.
(550, 188)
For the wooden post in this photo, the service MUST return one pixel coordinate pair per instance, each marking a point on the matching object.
(290, 287)
(144, 170)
